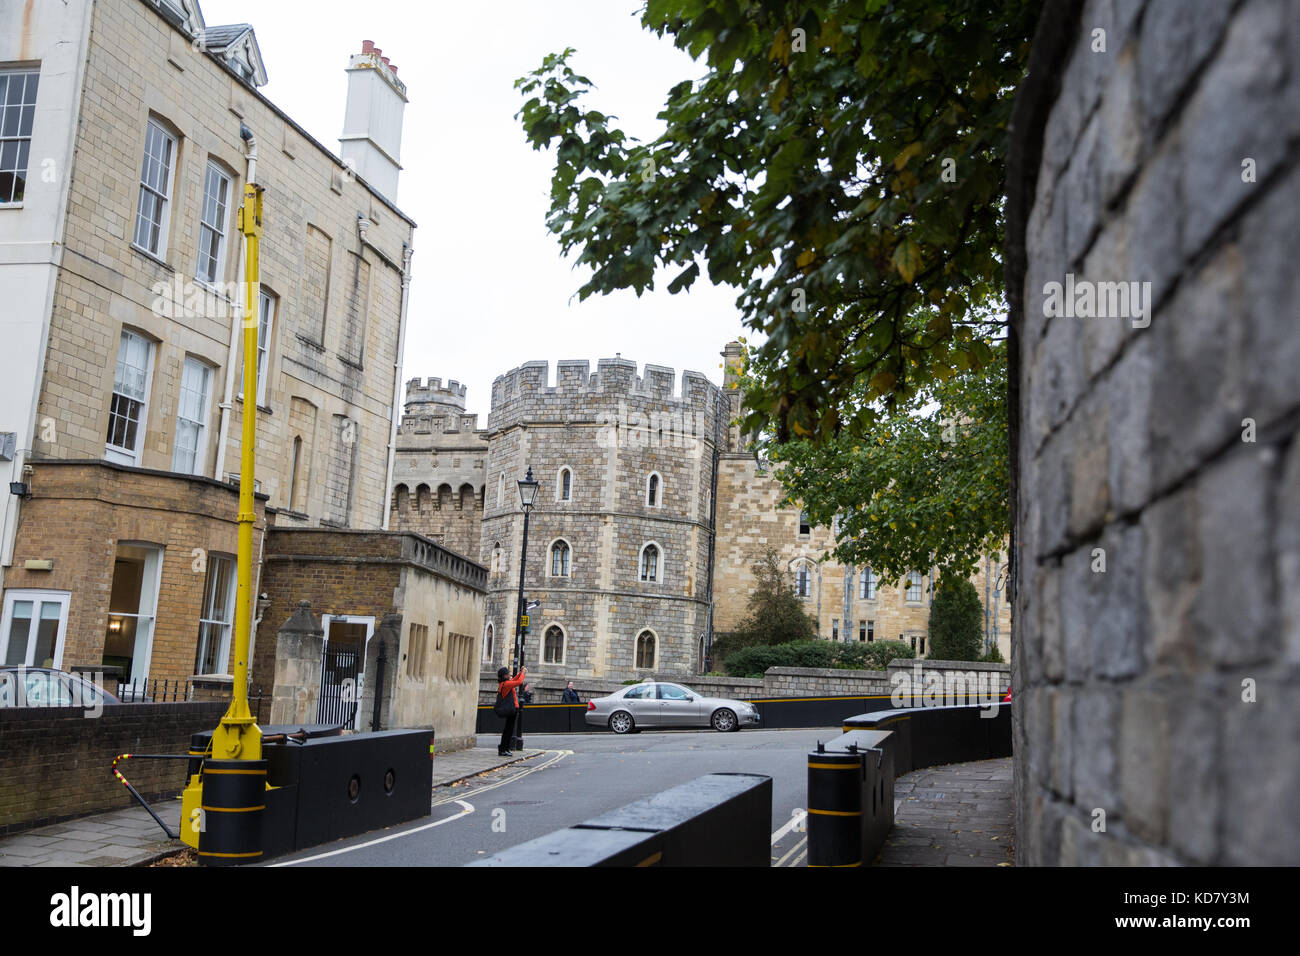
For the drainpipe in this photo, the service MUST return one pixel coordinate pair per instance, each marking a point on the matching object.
(397, 383)
(236, 328)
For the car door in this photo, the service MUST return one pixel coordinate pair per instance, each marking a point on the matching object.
(678, 707)
(641, 703)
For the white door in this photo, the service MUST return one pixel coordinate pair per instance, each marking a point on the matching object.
(32, 628)
(351, 626)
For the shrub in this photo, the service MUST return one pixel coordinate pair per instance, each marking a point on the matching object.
(994, 656)
(955, 621)
(754, 661)
(872, 656)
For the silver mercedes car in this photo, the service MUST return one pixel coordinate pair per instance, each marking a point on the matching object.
(660, 704)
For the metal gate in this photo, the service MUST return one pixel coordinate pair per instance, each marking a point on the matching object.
(338, 686)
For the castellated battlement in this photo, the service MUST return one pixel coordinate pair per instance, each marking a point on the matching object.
(434, 408)
(525, 393)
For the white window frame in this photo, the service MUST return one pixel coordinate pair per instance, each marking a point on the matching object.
(146, 612)
(559, 484)
(636, 650)
(658, 490)
(907, 587)
(26, 111)
(123, 454)
(266, 309)
(219, 227)
(804, 522)
(802, 568)
(37, 597)
(866, 585)
(564, 644)
(171, 142)
(195, 466)
(835, 629)
(659, 563)
(227, 627)
(550, 559)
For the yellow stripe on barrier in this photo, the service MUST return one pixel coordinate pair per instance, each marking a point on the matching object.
(258, 773)
(229, 855)
(651, 860)
(834, 866)
(232, 809)
(834, 766)
(838, 813)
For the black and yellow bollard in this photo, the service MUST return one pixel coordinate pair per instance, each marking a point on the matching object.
(835, 809)
(234, 798)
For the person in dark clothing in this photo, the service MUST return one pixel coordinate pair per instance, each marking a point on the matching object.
(570, 696)
(509, 685)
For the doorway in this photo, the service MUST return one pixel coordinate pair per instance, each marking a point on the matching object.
(132, 611)
(343, 662)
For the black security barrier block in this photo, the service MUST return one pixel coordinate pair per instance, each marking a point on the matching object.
(353, 784)
(887, 744)
(722, 819)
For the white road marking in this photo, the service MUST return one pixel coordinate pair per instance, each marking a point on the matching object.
(557, 755)
(468, 809)
(803, 843)
(795, 820)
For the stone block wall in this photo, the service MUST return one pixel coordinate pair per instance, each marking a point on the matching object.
(1158, 502)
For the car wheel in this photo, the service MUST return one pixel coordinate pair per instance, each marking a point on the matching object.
(621, 722)
(724, 721)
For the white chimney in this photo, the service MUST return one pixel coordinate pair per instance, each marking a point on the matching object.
(372, 123)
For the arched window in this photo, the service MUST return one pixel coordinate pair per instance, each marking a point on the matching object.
(564, 485)
(487, 642)
(553, 645)
(496, 558)
(560, 559)
(423, 499)
(650, 562)
(501, 490)
(802, 579)
(867, 585)
(402, 500)
(653, 495)
(645, 650)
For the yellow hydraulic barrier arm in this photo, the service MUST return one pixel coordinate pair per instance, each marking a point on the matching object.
(237, 737)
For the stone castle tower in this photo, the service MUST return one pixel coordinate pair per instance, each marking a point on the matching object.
(619, 543)
(438, 476)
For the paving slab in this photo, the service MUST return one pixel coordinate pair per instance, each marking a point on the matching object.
(955, 815)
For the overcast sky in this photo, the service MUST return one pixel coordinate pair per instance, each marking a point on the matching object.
(489, 288)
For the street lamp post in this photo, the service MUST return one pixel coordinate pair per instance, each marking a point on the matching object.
(527, 495)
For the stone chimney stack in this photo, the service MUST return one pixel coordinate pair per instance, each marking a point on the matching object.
(372, 123)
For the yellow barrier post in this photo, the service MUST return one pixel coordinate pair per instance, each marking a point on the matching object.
(237, 740)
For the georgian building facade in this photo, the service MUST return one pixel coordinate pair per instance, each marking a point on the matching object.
(122, 264)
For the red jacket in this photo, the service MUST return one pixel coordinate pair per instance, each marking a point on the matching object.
(512, 685)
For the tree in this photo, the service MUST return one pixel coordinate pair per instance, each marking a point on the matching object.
(955, 620)
(925, 486)
(776, 613)
(840, 164)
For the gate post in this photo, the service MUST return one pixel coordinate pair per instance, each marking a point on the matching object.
(299, 656)
(382, 657)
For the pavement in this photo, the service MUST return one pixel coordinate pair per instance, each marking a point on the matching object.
(130, 837)
(956, 815)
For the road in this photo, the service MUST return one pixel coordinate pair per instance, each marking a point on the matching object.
(578, 777)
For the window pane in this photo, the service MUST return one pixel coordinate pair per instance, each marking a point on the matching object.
(19, 628)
